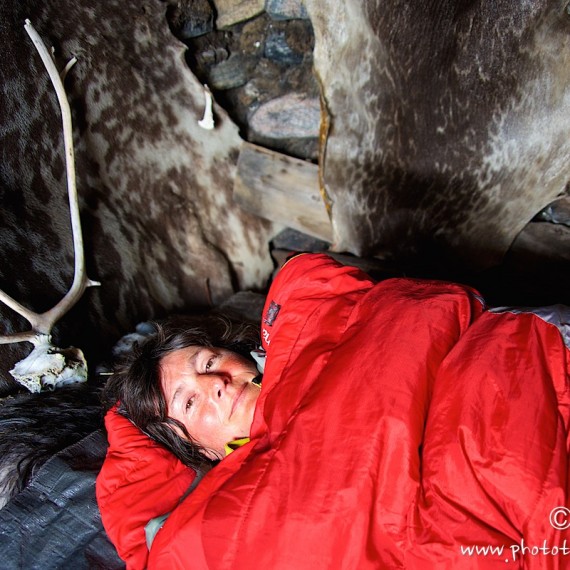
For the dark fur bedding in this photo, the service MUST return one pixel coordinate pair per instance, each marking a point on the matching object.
(35, 426)
(51, 448)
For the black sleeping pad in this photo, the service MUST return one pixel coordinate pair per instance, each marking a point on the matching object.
(55, 522)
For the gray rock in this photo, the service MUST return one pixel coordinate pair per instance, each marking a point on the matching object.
(212, 56)
(290, 116)
(294, 240)
(286, 9)
(278, 48)
(245, 305)
(231, 12)
(231, 73)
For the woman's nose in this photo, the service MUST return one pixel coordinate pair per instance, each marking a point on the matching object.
(216, 385)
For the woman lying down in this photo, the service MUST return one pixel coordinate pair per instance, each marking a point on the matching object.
(398, 425)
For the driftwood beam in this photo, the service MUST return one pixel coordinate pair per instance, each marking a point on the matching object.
(282, 189)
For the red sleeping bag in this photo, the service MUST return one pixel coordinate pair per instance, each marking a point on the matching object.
(400, 425)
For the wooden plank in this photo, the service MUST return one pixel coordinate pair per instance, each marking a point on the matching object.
(282, 189)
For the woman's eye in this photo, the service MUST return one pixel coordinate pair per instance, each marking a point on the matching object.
(210, 363)
(189, 403)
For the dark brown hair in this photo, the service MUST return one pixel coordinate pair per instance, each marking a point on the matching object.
(135, 385)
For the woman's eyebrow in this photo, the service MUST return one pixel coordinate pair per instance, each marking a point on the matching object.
(176, 395)
(192, 360)
(191, 365)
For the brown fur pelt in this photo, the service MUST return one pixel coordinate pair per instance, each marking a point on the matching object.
(161, 231)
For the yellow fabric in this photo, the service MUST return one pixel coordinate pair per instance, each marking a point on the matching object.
(233, 445)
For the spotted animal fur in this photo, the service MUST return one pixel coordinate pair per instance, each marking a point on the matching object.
(161, 232)
(449, 121)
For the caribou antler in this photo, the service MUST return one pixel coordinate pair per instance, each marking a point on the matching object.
(42, 323)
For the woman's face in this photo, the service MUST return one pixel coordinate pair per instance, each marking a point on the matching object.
(209, 390)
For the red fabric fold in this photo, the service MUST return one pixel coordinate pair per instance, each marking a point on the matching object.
(139, 481)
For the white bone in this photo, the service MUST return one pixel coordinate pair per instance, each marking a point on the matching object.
(207, 122)
(48, 367)
(43, 323)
